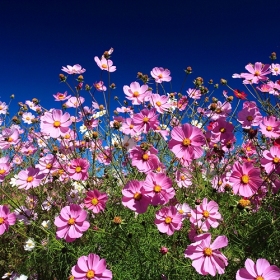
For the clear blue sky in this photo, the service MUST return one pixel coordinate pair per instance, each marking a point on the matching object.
(217, 38)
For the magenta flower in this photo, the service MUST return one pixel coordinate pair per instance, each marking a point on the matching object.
(78, 169)
(245, 179)
(271, 159)
(186, 142)
(135, 197)
(55, 123)
(6, 218)
(145, 120)
(168, 219)
(159, 188)
(29, 178)
(95, 201)
(256, 73)
(71, 223)
(76, 69)
(206, 257)
(206, 215)
(91, 267)
(261, 270)
(160, 74)
(105, 64)
(269, 127)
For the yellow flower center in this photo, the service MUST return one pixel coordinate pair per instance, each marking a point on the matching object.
(205, 214)
(245, 179)
(257, 73)
(104, 66)
(249, 118)
(186, 142)
(222, 130)
(158, 103)
(207, 252)
(60, 96)
(1, 220)
(259, 278)
(29, 179)
(146, 119)
(56, 124)
(160, 76)
(71, 221)
(157, 188)
(94, 201)
(181, 211)
(183, 178)
(168, 220)
(10, 139)
(276, 160)
(49, 166)
(131, 126)
(136, 94)
(78, 169)
(2, 171)
(268, 128)
(90, 274)
(145, 157)
(137, 196)
(244, 202)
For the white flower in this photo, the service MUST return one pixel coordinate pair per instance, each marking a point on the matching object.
(22, 277)
(46, 224)
(196, 123)
(78, 186)
(99, 114)
(13, 180)
(7, 274)
(83, 128)
(29, 246)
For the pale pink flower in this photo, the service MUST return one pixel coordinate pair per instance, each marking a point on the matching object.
(183, 178)
(160, 74)
(100, 86)
(27, 117)
(128, 127)
(256, 73)
(159, 188)
(105, 64)
(136, 93)
(245, 179)
(3, 108)
(275, 69)
(95, 201)
(29, 178)
(206, 257)
(91, 267)
(76, 69)
(135, 197)
(61, 96)
(160, 102)
(184, 209)
(271, 159)
(186, 142)
(78, 169)
(222, 111)
(4, 170)
(71, 223)
(55, 123)
(270, 127)
(261, 270)
(206, 215)
(194, 93)
(7, 219)
(74, 102)
(168, 219)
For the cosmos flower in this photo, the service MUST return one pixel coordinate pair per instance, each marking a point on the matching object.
(76, 69)
(7, 219)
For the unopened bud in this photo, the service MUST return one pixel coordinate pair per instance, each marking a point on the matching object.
(80, 78)
(223, 81)
(198, 81)
(230, 98)
(35, 101)
(188, 70)
(12, 96)
(87, 87)
(273, 56)
(216, 86)
(139, 75)
(210, 82)
(112, 86)
(62, 78)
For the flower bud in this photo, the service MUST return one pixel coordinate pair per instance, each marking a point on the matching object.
(188, 70)
(273, 56)
(112, 86)
(35, 101)
(12, 96)
(62, 78)
(198, 81)
(223, 81)
(80, 78)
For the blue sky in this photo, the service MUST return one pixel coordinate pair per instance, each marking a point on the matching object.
(216, 38)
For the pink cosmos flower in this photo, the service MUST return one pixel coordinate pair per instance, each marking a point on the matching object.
(135, 197)
(78, 169)
(206, 257)
(128, 127)
(95, 201)
(249, 117)
(160, 102)
(160, 74)
(29, 178)
(145, 161)
(105, 64)
(6, 218)
(74, 102)
(206, 215)
(4, 170)
(186, 142)
(61, 96)
(261, 270)
(145, 120)
(27, 117)
(194, 93)
(3, 108)
(256, 73)
(245, 179)
(184, 209)
(55, 123)
(136, 93)
(168, 220)
(222, 111)
(71, 223)
(76, 69)
(269, 127)
(183, 178)
(91, 267)
(271, 159)
(100, 86)
(159, 188)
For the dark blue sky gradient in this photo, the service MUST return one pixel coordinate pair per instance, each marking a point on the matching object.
(217, 38)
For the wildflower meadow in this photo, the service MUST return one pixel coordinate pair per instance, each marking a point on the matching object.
(176, 182)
